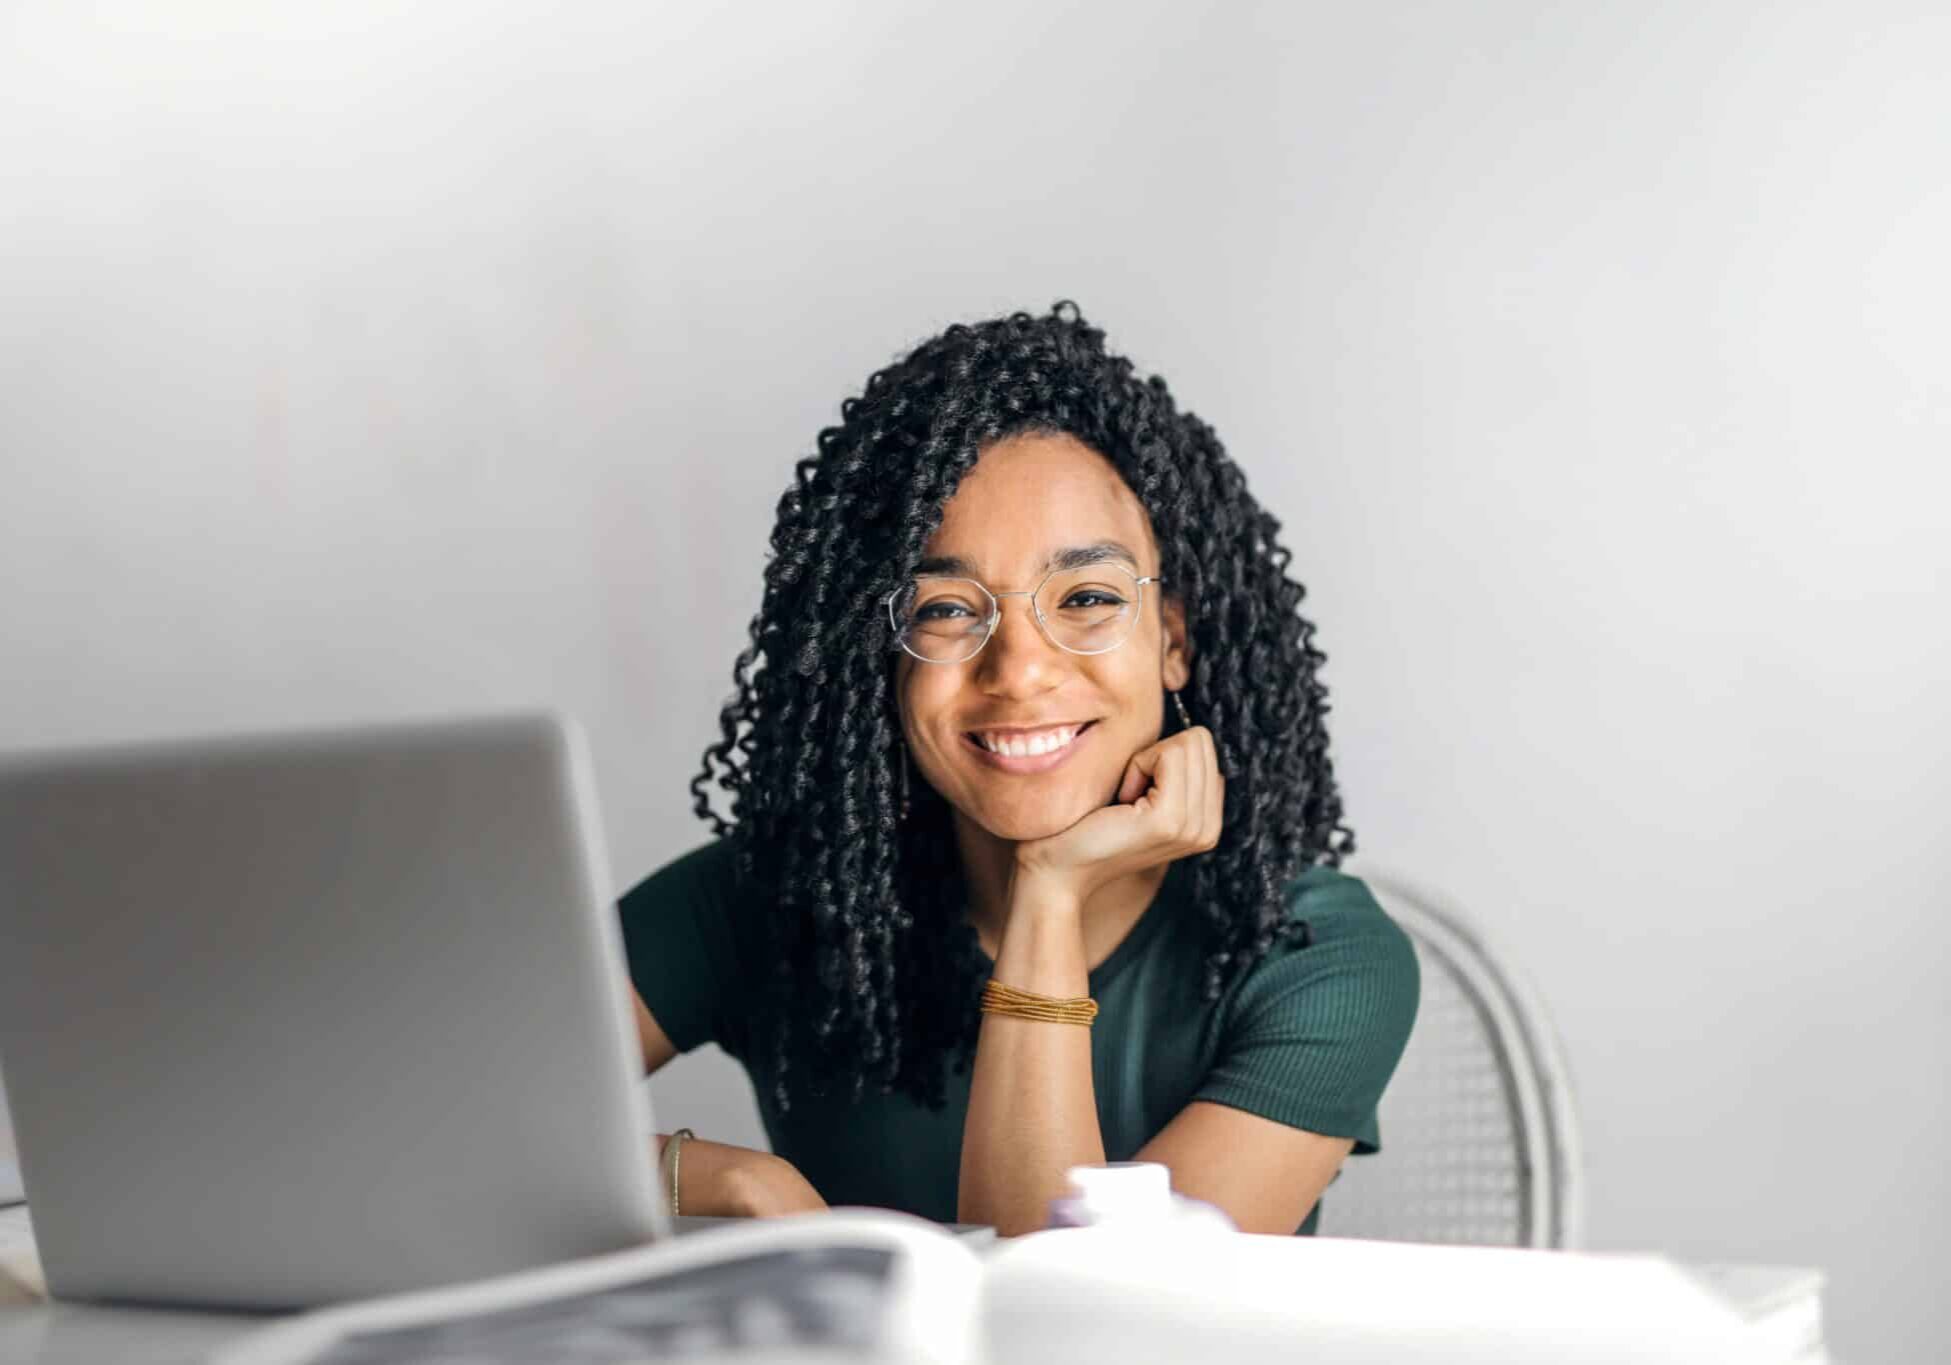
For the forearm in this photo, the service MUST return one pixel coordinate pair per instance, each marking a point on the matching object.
(724, 1181)
(1032, 1107)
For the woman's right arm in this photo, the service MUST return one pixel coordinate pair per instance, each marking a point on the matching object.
(717, 1178)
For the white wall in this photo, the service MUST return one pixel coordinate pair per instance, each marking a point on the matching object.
(396, 359)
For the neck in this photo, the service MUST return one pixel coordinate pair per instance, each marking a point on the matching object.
(989, 865)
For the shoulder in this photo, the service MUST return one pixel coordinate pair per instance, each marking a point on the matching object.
(702, 892)
(710, 870)
(1343, 959)
(1327, 905)
(1312, 1032)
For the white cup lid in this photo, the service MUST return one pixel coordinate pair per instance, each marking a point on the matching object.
(1119, 1187)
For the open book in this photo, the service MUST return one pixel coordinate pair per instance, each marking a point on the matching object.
(871, 1285)
(846, 1285)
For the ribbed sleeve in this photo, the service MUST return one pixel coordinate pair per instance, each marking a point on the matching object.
(1315, 1031)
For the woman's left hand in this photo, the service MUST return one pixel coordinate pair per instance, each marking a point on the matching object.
(1170, 804)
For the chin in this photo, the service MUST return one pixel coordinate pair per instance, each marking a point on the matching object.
(1039, 821)
(1022, 831)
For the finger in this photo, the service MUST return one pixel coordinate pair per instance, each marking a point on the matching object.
(1168, 779)
(1166, 786)
(1190, 781)
(1215, 800)
(1171, 783)
(1151, 772)
(1206, 790)
(1192, 818)
(1139, 773)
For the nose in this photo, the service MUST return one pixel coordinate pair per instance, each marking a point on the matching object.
(1019, 660)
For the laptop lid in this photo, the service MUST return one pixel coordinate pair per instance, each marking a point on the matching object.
(290, 1019)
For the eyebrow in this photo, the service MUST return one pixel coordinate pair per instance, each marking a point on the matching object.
(1072, 557)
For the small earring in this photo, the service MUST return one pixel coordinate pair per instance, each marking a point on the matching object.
(1185, 721)
(904, 781)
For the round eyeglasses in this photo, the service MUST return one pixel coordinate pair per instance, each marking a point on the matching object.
(1089, 609)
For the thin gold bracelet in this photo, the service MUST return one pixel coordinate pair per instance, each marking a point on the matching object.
(1000, 999)
(673, 1151)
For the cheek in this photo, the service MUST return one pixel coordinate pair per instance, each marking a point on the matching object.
(926, 700)
(919, 694)
(1136, 692)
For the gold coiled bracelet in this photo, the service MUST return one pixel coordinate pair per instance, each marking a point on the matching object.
(1000, 999)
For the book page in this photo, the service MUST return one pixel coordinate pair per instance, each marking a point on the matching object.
(833, 1298)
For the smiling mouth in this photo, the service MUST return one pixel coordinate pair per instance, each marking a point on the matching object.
(1027, 750)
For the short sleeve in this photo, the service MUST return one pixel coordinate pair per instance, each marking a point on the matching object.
(687, 937)
(1312, 1035)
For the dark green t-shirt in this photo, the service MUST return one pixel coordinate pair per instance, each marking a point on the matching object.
(1309, 1037)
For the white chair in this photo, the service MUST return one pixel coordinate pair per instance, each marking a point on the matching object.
(1479, 1134)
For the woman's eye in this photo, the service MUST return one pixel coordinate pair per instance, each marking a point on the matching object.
(1093, 597)
(941, 611)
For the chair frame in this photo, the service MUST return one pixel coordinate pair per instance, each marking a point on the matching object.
(1530, 1056)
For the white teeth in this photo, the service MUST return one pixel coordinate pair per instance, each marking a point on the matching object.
(1027, 746)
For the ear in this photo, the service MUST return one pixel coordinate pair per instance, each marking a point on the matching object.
(1175, 665)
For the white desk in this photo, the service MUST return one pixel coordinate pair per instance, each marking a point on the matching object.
(41, 1333)
(62, 1334)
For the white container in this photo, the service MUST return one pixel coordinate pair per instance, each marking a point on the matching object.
(1132, 1194)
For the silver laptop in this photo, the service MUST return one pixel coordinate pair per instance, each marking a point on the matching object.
(300, 1018)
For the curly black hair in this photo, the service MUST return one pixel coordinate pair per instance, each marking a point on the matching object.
(873, 948)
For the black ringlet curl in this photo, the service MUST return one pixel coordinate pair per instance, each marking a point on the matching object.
(878, 973)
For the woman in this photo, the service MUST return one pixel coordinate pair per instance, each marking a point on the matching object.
(1028, 699)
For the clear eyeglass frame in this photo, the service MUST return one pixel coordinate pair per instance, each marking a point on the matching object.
(988, 625)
